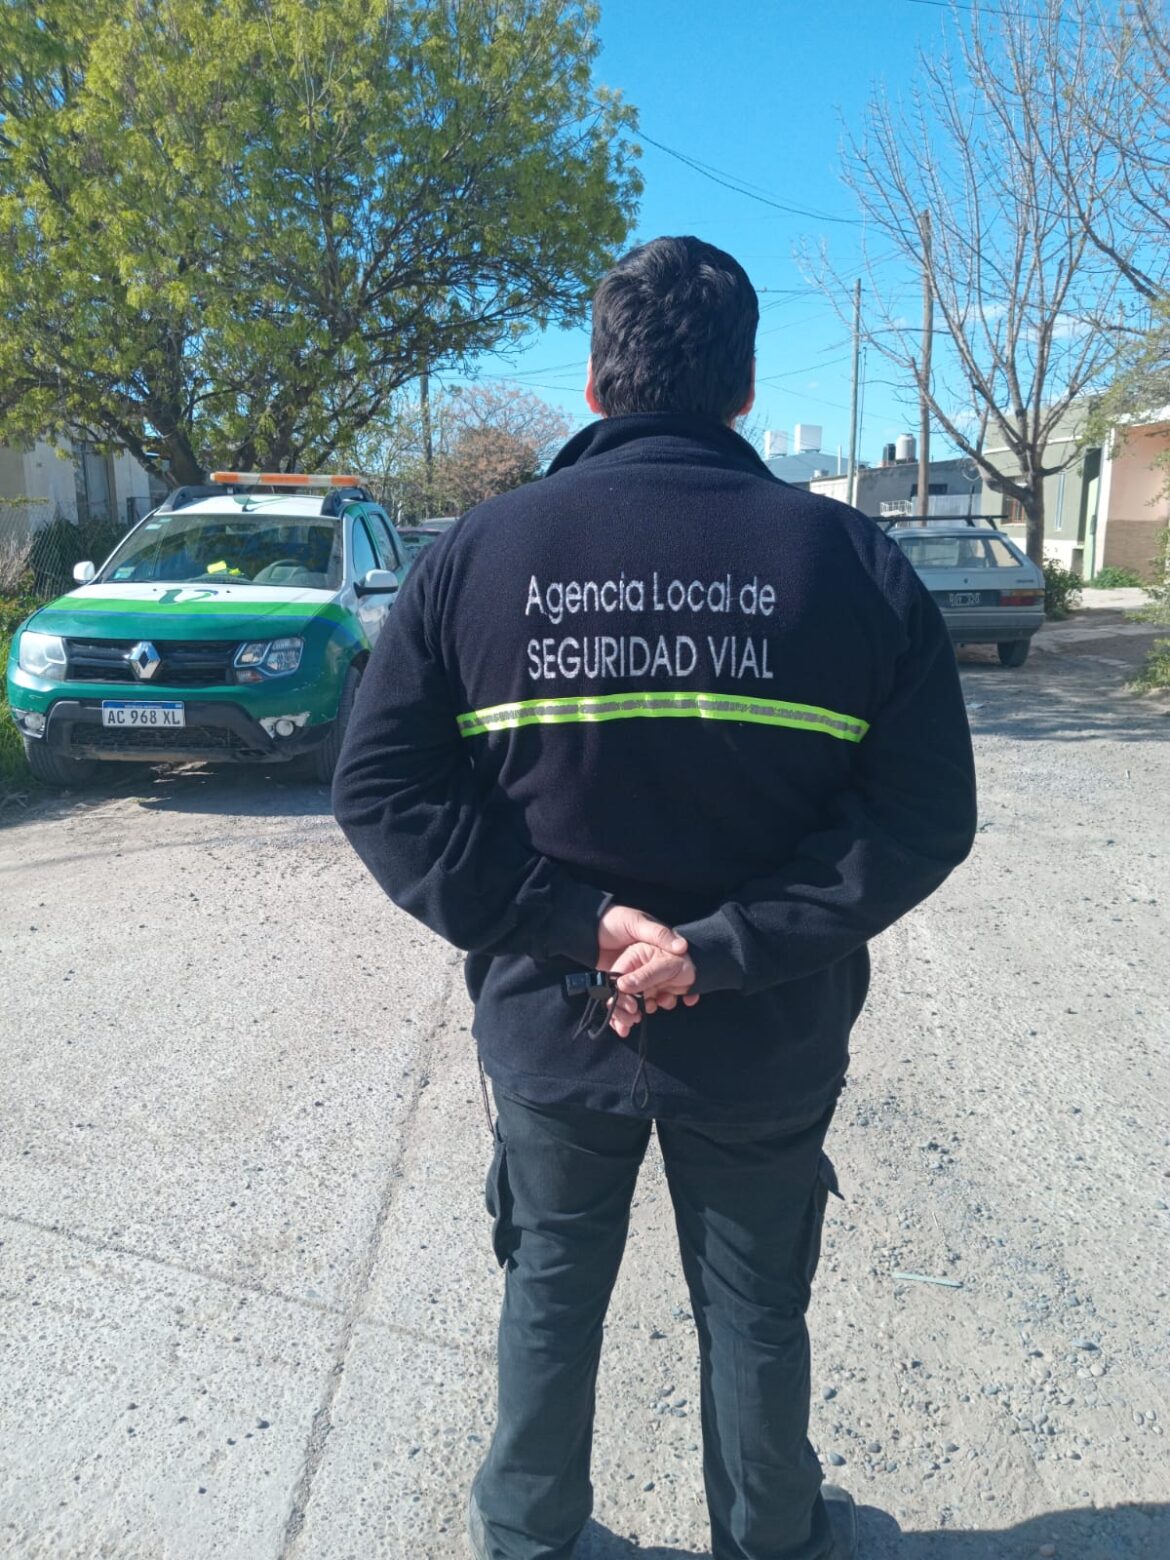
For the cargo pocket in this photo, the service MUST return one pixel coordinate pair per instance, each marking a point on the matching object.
(497, 1196)
(826, 1184)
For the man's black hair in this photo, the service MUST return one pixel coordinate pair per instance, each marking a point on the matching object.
(674, 330)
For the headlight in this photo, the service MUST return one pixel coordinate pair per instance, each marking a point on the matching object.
(43, 655)
(273, 658)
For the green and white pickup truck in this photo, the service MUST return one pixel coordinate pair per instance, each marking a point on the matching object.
(232, 624)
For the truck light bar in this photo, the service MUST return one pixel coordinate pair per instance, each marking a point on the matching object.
(286, 479)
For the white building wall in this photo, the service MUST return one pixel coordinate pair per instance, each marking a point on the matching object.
(47, 480)
(35, 487)
(130, 483)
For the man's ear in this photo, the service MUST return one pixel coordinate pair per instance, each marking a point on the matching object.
(751, 396)
(591, 400)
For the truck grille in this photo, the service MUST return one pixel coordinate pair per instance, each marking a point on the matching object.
(186, 663)
(147, 739)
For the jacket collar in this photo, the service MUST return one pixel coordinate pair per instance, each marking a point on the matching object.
(660, 436)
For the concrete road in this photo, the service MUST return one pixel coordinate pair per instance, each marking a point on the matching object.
(247, 1300)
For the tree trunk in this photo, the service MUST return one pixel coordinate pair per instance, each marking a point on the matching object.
(1034, 522)
(182, 465)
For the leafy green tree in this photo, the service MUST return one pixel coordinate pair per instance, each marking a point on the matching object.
(230, 229)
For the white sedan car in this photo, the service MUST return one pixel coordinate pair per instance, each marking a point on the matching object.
(987, 590)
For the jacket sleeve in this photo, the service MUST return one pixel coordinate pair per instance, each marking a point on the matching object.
(443, 846)
(904, 822)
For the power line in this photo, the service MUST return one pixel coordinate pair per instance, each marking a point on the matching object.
(738, 187)
(790, 325)
(990, 10)
(535, 384)
(818, 400)
(807, 368)
(556, 368)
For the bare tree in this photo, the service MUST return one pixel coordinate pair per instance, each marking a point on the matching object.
(1111, 60)
(1117, 83)
(986, 146)
(487, 439)
(494, 438)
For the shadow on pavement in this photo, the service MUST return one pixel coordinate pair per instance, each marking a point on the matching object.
(1071, 702)
(1066, 698)
(237, 792)
(1140, 1532)
(242, 792)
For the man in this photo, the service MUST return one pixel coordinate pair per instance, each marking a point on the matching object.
(661, 715)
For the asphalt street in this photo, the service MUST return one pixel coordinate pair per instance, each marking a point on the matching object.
(247, 1296)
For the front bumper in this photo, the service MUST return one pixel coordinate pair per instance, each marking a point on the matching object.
(215, 729)
(991, 625)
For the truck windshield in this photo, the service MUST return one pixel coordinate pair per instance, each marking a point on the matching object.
(230, 549)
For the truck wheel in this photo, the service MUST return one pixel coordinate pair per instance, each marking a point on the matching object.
(55, 769)
(1014, 652)
(319, 764)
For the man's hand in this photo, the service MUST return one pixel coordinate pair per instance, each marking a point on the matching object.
(621, 926)
(626, 938)
(659, 976)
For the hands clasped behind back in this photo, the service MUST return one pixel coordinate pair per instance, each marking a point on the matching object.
(650, 961)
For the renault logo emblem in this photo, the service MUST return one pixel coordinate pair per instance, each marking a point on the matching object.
(144, 660)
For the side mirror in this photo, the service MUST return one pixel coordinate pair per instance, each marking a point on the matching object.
(377, 582)
(83, 572)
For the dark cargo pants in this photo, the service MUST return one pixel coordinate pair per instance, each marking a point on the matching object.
(749, 1203)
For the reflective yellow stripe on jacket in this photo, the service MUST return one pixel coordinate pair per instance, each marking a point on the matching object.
(657, 706)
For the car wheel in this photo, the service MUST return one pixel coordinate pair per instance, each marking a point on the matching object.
(1014, 652)
(55, 769)
(319, 764)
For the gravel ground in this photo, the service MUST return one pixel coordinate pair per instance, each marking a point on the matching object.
(246, 1297)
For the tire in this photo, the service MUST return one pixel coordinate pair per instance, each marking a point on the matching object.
(1014, 652)
(54, 769)
(319, 764)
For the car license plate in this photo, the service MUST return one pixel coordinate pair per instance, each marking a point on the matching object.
(965, 598)
(135, 712)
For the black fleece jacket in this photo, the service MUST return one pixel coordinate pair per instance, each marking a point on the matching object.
(663, 675)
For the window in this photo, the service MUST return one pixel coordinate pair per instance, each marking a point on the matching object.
(959, 552)
(364, 556)
(91, 476)
(1001, 554)
(230, 548)
(384, 540)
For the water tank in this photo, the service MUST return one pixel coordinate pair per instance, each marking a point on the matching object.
(775, 443)
(808, 438)
(889, 454)
(906, 447)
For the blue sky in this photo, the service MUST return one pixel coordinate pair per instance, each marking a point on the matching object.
(760, 89)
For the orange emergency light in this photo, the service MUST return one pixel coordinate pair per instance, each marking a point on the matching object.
(286, 479)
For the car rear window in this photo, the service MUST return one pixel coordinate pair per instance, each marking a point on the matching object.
(958, 552)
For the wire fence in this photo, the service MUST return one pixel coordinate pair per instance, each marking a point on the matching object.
(37, 558)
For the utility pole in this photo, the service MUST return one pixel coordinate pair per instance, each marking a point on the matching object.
(924, 381)
(851, 488)
(424, 404)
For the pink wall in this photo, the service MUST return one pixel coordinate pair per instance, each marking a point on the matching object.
(1137, 490)
(1138, 507)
